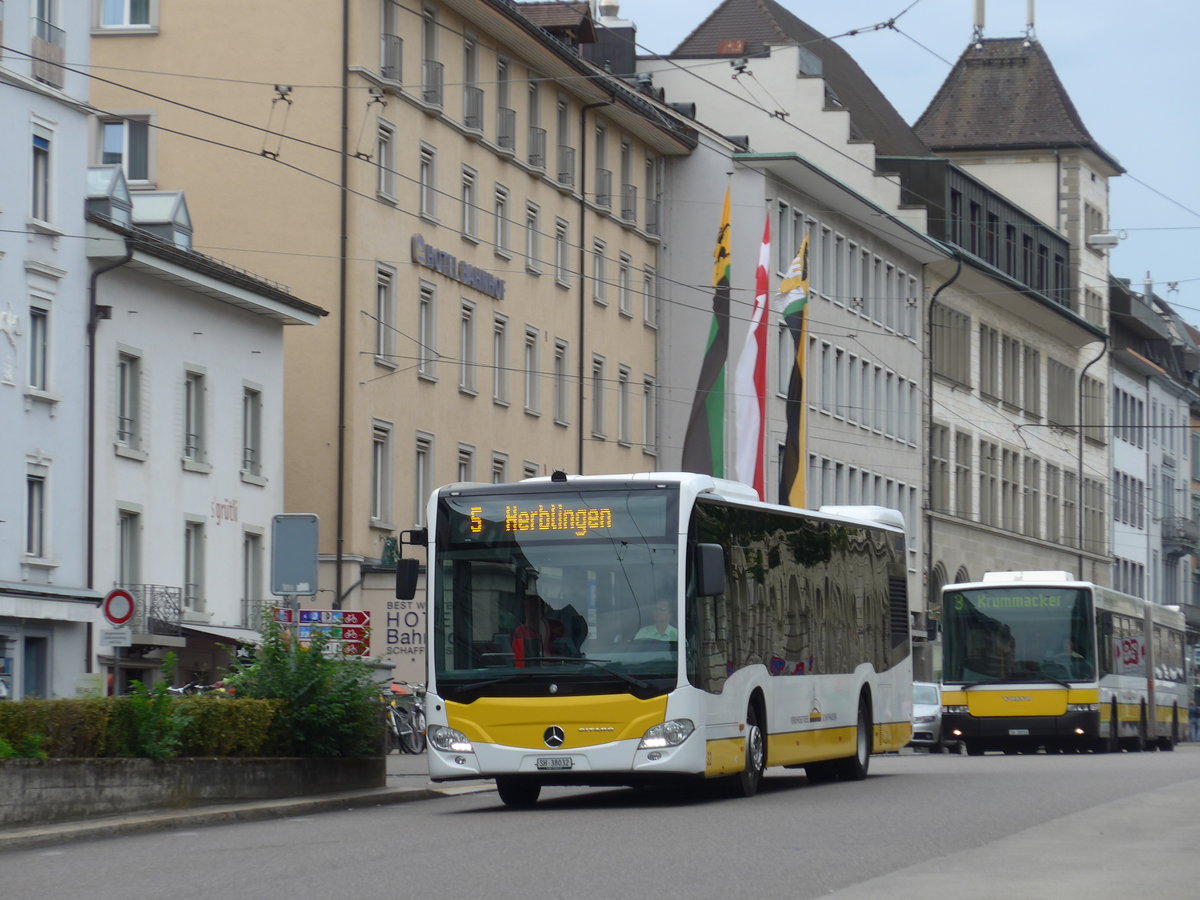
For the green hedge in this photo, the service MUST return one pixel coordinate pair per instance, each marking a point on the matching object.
(108, 727)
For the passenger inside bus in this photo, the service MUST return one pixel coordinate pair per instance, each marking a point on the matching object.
(537, 635)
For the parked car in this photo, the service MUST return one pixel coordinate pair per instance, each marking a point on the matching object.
(927, 717)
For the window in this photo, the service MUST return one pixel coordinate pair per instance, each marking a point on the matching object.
(1032, 382)
(39, 346)
(603, 187)
(252, 579)
(1031, 522)
(1010, 487)
(599, 273)
(951, 347)
(251, 431)
(125, 13)
(125, 142)
(499, 468)
(129, 371)
(537, 134)
(469, 204)
(501, 238)
(426, 332)
(466, 463)
(391, 47)
(466, 348)
(422, 476)
(529, 469)
(193, 417)
(500, 360)
(561, 387)
(472, 93)
(35, 513)
(562, 253)
(385, 317)
(1010, 354)
(649, 415)
(962, 474)
(381, 474)
(989, 361)
(1053, 506)
(939, 468)
(533, 240)
(193, 566)
(598, 397)
(650, 297)
(385, 158)
(129, 547)
(506, 116)
(624, 293)
(624, 413)
(1061, 394)
(39, 206)
(427, 180)
(531, 371)
(989, 482)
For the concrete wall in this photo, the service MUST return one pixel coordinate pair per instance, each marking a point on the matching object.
(35, 792)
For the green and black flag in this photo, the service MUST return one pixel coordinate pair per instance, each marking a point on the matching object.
(794, 293)
(704, 443)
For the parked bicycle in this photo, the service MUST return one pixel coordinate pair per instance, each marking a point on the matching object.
(217, 688)
(405, 714)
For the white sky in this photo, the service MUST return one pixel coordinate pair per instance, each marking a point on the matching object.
(1131, 67)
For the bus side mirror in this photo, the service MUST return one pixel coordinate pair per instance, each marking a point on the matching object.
(406, 578)
(710, 570)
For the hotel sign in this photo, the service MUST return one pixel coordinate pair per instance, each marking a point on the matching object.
(460, 270)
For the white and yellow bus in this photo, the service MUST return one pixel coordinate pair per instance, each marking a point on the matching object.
(633, 629)
(1040, 660)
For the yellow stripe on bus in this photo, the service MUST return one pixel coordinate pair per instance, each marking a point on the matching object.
(1019, 700)
(585, 721)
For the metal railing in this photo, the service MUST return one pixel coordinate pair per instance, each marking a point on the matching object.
(431, 82)
(158, 608)
(537, 147)
(603, 190)
(48, 46)
(566, 165)
(391, 56)
(629, 202)
(473, 107)
(653, 216)
(506, 128)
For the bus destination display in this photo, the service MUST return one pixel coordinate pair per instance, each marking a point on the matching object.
(557, 518)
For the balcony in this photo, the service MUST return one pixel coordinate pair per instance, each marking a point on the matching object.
(158, 610)
(473, 107)
(1180, 536)
(629, 203)
(604, 188)
(431, 82)
(537, 147)
(48, 47)
(391, 55)
(566, 165)
(506, 128)
(653, 216)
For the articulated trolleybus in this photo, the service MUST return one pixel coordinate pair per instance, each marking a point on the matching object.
(1038, 659)
(634, 629)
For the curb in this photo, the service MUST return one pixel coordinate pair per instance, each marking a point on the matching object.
(61, 832)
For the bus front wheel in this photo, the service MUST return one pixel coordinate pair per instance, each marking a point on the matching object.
(854, 768)
(519, 793)
(747, 781)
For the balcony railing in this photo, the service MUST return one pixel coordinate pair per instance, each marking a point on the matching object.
(1180, 536)
(157, 608)
(604, 188)
(537, 147)
(48, 46)
(566, 165)
(629, 202)
(506, 128)
(431, 82)
(653, 216)
(473, 107)
(391, 55)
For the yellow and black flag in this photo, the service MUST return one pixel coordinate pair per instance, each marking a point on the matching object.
(793, 291)
(704, 443)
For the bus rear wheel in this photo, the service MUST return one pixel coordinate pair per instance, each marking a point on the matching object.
(519, 793)
(854, 768)
(747, 781)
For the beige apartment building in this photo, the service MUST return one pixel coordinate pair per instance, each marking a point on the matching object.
(476, 204)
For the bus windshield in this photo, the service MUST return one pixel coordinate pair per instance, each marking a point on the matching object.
(570, 590)
(1018, 633)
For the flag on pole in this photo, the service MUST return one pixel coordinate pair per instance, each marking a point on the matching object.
(704, 442)
(750, 382)
(794, 293)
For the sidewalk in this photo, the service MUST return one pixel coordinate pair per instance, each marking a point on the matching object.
(407, 780)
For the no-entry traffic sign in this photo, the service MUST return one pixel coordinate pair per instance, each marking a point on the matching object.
(118, 606)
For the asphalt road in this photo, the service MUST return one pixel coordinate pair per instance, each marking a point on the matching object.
(1094, 826)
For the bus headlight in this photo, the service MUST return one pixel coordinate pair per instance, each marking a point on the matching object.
(668, 734)
(1083, 707)
(956, 710)
(448, 740)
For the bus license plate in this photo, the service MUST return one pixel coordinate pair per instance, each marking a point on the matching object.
(1018, 732)
(554, 762)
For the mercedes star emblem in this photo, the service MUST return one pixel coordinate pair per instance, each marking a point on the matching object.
(554, 737)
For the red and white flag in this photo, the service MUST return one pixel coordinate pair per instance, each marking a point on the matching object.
(750, 382)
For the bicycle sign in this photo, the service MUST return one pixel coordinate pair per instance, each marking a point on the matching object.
(348, 630)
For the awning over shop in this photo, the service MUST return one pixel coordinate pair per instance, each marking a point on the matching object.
(44, 602)
(225, 633)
